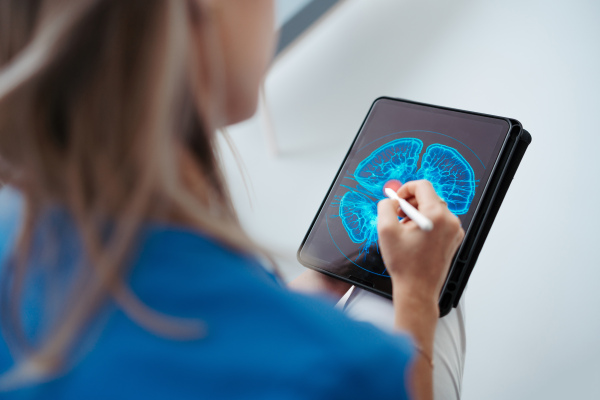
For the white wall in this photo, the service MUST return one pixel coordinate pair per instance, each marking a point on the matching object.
(533, 320)
(286, 9)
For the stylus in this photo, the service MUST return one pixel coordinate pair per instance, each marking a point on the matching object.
(412, 213)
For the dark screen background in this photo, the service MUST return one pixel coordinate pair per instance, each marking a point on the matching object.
(478, 138)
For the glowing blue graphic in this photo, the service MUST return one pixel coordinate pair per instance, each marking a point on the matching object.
(359, 217)
(395, 160)
(451, 175)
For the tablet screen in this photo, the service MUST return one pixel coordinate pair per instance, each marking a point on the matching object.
(454, 150)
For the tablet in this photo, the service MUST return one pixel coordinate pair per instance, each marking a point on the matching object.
(470, 158)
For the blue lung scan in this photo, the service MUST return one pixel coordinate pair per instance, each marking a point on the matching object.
(451, 175)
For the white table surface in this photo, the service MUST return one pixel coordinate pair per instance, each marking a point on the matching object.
(533, 314)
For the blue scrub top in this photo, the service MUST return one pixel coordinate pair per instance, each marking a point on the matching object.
(262, 341)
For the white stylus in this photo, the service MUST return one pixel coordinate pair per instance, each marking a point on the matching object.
(414, 214)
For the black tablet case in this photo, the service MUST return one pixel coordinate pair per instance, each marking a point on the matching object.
(465, 260)
(466, 257)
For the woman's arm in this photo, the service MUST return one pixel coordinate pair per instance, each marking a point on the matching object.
(418, 264)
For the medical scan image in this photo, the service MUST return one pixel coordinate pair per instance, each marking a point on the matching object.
(401, 160)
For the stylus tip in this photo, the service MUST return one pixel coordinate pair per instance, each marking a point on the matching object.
(393, 184)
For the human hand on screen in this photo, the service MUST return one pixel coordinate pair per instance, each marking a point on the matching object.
(418, 261)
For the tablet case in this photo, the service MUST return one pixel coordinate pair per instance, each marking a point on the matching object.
(466, 257)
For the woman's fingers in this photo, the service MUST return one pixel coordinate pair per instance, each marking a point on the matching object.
(422, 191)
(421, 195)
(427, 200)
(401, 213)
(460, 235)
(413, 201)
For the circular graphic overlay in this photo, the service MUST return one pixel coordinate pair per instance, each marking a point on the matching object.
(390, 161)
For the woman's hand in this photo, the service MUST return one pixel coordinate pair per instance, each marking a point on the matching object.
(418, 261)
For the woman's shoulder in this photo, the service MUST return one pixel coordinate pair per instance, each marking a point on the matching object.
(259, 328)
(261, 340)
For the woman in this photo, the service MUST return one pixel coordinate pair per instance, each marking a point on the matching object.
(125, 273)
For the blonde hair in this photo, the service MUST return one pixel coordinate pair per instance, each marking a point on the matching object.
(108, 108)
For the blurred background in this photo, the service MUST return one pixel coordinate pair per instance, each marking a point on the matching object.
(532, 305)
